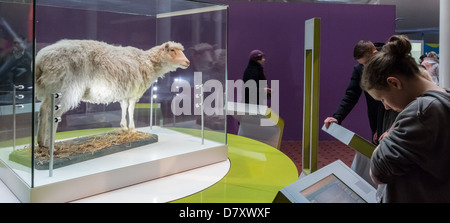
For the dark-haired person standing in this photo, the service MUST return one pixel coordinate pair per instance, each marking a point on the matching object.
(362, 51)
(255, 72)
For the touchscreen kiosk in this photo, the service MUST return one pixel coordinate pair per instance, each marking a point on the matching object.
(351, 139)
(334, 183)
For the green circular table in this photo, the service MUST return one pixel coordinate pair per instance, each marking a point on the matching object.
(257, 172)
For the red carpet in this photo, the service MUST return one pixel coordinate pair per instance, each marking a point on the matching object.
(329, 151)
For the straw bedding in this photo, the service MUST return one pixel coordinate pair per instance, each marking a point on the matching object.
(73, 147)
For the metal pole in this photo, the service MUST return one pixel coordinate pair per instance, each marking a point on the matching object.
(51, 121)
(14, 117)
(203, 111)
(151, 106)
(444, 44)
(14, 107)
(200, 95)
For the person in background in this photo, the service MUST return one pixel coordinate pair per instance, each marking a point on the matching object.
(362, 51)
(422, 57)
(413, 159)
(16, 67)
(431, 63)
(255, 71)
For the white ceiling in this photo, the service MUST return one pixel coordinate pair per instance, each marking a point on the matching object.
(419, 19)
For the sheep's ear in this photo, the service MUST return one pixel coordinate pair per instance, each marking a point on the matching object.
(167, 47)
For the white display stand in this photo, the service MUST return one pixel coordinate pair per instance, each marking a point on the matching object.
(257, 122)
(162, 190)
(118, 170)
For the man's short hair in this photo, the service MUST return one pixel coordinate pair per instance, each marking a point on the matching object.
(362, 48)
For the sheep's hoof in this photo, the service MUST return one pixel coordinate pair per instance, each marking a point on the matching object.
(42, 145)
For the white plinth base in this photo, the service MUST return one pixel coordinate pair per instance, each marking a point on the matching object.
(162, 190)
(174, 153)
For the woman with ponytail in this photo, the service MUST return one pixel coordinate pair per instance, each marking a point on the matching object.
(413, 160)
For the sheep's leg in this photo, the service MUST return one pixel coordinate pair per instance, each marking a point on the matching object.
(131, 105)
(123, 121)
(42, 133)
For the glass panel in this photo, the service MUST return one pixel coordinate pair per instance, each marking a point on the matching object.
(203, 36)
(16, 87)
(134, 7)
(92, 108)
(88, 107)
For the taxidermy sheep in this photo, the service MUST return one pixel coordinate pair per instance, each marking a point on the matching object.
(96, 72)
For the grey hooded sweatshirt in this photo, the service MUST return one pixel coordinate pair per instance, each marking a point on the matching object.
(414, 160)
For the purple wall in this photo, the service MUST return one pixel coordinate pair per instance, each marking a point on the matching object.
(278, 30)
(54, 24)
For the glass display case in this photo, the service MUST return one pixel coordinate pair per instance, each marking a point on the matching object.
(97, 95)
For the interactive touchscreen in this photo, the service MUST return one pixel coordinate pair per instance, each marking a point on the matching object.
(331, 190)
(333, 183)
(351, 139)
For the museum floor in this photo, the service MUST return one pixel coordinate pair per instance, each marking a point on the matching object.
(329, 151)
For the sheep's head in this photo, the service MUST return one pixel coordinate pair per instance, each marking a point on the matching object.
(174, 55)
